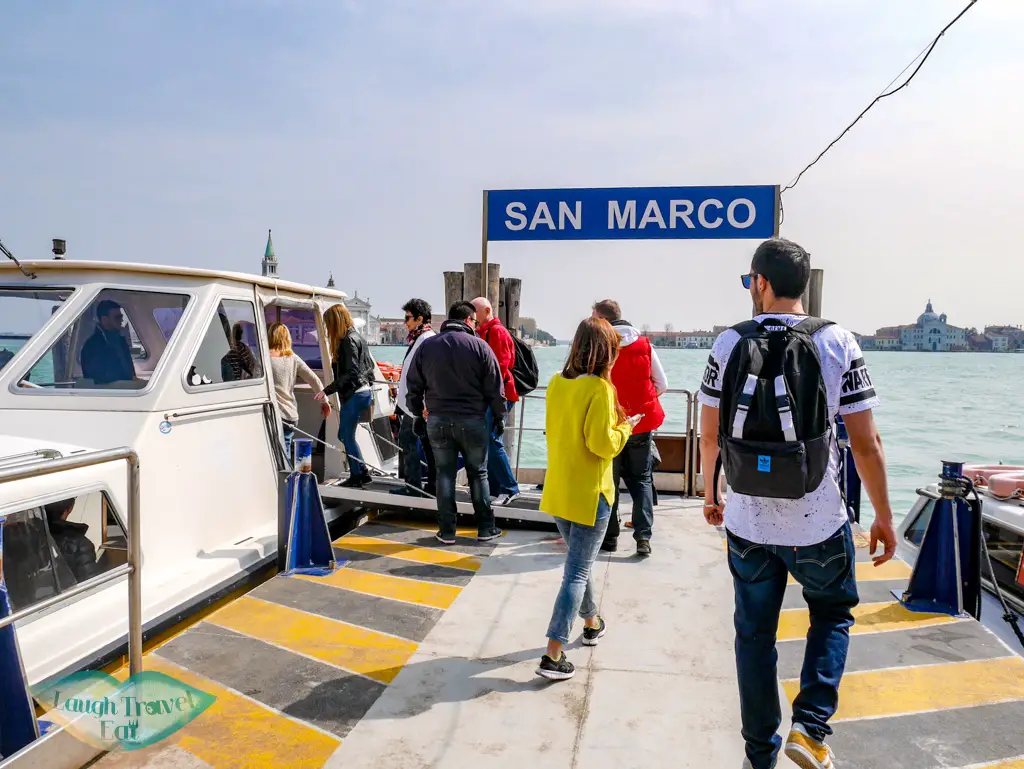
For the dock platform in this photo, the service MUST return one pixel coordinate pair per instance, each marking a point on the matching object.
(415, 655)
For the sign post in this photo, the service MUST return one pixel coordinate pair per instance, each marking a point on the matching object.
(484, 281)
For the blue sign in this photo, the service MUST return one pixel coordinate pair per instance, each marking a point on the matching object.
(632, 213)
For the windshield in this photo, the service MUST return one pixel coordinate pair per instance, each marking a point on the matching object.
(23, 312)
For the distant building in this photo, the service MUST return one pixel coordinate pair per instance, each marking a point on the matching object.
(931, 333)
(1005, 338)
(269, 259)
(360, 308)
(692, 340)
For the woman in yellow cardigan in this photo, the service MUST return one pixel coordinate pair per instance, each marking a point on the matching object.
(586, 428)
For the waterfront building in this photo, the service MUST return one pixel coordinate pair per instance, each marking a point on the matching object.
(932, 333)
(691, 340)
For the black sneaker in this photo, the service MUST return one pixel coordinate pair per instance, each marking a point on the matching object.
(591, 634)
(609, 546)
(494, 533)
(562, 670)
(643, 548)
(445, 539)
(355, 482)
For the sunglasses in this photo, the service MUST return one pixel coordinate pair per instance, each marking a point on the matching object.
(747, 279)
(408, 318)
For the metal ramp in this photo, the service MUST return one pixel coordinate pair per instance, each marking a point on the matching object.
(379, 496)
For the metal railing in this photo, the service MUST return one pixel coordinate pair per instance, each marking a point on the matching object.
(689, 434)
(131, 569)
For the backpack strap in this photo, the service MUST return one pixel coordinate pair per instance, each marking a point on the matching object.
(743, 405)
(747, 327)
(812, 326)
(783, 404)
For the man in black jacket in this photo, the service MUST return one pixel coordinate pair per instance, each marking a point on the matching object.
(453, 380)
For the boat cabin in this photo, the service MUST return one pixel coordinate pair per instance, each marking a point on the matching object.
(174, 363)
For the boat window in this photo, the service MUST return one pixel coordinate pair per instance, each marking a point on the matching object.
(22, 313)
(302, 326)
(915, 531)
(230, 349)
(115, 344)
(47, 550)
(1007, 549)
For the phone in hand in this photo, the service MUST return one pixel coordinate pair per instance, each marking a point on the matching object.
(634, 420)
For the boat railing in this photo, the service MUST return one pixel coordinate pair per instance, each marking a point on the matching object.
(131, 569)
(689, 434)
(29, 456)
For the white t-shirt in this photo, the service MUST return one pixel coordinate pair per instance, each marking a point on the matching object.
(820, 514)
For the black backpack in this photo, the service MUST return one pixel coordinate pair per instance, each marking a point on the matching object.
(774, 431)
(525, 372)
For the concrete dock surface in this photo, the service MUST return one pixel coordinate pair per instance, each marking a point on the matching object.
(414, 655)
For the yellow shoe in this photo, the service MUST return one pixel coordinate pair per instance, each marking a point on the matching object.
(806, 752)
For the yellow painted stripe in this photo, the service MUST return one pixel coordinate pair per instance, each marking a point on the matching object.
(900, 691)
(236, 733)
(868, 572)
(469, 532)
(868, 617)
(428, 555)
(1013, 763)
(385, 586)
(375, 655)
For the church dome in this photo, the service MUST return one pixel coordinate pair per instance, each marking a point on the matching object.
(928, 316)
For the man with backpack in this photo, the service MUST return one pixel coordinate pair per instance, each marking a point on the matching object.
(771, 392)
(504, 485)
(639, 381)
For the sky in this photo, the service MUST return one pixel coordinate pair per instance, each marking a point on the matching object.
(363, 132)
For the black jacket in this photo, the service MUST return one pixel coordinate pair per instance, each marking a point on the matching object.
(353, 366)
(107, 358)
(74, 545)
(456, 374)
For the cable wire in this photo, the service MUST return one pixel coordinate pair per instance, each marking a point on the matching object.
(4, 250)
(886, 92)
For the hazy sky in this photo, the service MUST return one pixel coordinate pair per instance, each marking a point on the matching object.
(364, 132)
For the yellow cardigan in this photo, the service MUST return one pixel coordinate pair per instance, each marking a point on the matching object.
(583, 436)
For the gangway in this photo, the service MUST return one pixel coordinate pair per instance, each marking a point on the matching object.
(378, 496)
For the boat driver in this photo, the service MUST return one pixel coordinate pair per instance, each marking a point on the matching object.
(106, 356)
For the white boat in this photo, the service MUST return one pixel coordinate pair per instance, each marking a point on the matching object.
(201, 416)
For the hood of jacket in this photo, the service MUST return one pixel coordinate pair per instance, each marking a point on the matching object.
(459, 326)
(627, 333)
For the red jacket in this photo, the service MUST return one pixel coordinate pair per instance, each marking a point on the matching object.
(500, 341)
(631, 376)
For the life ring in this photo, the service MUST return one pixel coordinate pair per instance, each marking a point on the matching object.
(1001, 481)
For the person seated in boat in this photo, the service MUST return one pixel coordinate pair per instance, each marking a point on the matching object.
(106, 356)
(238, 363)
(286, 367)
(75, 547)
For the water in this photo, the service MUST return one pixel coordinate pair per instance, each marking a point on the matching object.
(42, 371)
(957, 406)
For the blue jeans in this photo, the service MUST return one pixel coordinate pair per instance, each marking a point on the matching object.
(288, 432)
(450, 436)
(635, 465)
(410, 441)
(348, 420)
(576, 595)
(827, 573)
(499, 469)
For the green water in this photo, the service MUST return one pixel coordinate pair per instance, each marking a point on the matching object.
(957, 406)
(42, 371)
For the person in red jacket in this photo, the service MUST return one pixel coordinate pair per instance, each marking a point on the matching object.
(499, 470)
(639, 380)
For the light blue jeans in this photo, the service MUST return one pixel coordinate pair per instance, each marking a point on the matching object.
(576, 595)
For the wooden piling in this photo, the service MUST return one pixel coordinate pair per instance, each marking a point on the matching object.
(452, 290)
(812, 296)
